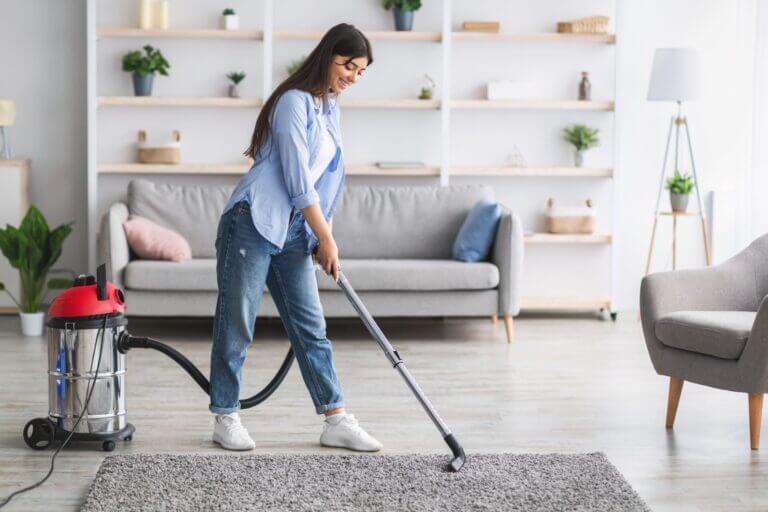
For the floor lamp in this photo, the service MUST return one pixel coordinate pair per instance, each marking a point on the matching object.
(676, 77)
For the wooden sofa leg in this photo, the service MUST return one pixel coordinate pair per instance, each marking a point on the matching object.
(755, 418)
(495, 320)
(675, 389)
(508, 327)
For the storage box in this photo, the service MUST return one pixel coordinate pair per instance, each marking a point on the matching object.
(571, 220)
(159, 153)
(590, 25)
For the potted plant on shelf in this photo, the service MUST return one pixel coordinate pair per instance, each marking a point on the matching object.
(229, 19)
(403, 10)
(680, 187)
(428, 89)
(236, 77)
(582, 137)
(144, 68)
(33, 249)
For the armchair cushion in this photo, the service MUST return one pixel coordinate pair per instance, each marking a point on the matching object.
(720, 334)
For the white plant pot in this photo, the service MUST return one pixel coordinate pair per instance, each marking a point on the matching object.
(32, 323)
(230, 21)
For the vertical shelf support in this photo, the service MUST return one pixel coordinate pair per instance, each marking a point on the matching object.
(445, 97)
(267, 49)
(91, 179)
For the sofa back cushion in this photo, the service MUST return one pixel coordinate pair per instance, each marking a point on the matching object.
(403, 222)
(191, 210)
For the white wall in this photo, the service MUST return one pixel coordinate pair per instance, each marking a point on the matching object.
(48, 83)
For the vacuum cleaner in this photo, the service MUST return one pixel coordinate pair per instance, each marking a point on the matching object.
(86, 393)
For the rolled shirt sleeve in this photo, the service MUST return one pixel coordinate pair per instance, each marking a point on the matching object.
(289, 129)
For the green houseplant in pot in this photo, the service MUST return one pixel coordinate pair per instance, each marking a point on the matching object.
(680, 187)
(403, 11)
(582, 137)
(235, 77)
(33, 248)
(144, 68)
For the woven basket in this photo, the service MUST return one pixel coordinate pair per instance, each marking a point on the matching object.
(573, 220)
(590, 25)
(169, 153)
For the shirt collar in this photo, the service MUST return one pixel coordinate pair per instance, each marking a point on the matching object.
(329, 103)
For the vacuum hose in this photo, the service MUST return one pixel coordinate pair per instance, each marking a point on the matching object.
(126, 342)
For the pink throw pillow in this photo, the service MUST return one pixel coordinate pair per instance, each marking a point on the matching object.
(152, 241)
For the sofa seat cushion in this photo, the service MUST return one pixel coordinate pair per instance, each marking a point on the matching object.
(413, 274)
(364, 274)
(722, 334)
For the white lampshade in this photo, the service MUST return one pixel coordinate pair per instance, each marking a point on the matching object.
(7, 113)
(676, 75)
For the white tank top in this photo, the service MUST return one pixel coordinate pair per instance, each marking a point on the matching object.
(326, 153)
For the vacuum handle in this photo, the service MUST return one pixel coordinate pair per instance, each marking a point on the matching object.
(101, 282)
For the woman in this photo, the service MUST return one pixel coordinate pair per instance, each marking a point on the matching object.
(279, 213)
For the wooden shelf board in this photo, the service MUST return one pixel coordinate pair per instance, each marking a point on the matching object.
(564, 303)
(198, 168)
(490, 170)
(414, 104)
(544, 36)
(177, 101)
(533, 104)
(376, 35)
(680, 214)
(9, 310)
(549, 238)
(180, 33)
(24, 163)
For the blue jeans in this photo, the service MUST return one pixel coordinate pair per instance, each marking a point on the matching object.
(245, 262)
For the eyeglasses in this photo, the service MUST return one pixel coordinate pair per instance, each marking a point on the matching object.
(351, 66)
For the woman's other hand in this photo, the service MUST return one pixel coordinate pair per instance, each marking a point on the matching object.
(328, 256)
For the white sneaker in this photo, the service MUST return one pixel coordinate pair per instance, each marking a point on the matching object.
(230, 433)
(342, 431)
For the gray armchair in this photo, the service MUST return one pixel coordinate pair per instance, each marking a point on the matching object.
(710, 326)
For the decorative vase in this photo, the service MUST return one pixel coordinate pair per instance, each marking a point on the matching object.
(578, 158)
(32, 323)
(142, 85)
(403, 19)
(234, 92)
(230, 21)
(679, 202)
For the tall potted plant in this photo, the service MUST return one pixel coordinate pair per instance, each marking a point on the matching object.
(403, 10)
(582, 137)
(33, 249)
(680, 187)
(144, 68)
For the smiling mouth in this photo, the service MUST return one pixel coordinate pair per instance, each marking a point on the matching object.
(343, 84)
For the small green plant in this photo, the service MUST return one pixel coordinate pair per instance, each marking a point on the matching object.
(295, 65)
(427, 90)
(228, 12)
(405, 5)
(33, 249)
(236, 76)
(582, 137)
(152, 61)
(680, 183)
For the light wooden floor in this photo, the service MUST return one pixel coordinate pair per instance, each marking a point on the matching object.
(565, 385)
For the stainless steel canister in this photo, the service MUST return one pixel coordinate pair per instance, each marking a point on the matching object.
(73, 358)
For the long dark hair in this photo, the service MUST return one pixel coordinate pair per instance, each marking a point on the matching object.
(343, 39)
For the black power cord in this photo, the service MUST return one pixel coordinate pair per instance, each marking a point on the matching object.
(89, 391)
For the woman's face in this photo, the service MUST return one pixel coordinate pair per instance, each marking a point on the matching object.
(345, 72)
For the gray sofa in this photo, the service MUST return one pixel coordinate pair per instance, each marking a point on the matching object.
(395, 246)
(710, 326)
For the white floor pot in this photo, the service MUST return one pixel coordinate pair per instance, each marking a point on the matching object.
(32, 323)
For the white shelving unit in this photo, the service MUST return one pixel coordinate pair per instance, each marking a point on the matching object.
(265, 39)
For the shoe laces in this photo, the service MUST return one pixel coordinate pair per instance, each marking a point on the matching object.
(353, 425)
(232, 423)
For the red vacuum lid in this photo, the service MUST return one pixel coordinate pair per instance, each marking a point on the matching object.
(82, 300)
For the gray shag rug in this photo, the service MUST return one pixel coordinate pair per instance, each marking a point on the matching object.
(578, 482)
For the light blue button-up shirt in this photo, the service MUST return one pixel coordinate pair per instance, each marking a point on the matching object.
(279, 180)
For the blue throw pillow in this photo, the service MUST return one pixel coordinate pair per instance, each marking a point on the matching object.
(475, 238)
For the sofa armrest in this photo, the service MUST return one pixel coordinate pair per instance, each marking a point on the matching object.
(507, 254)
(113, 245)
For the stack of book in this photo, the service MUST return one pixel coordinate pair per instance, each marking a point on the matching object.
(482, 26)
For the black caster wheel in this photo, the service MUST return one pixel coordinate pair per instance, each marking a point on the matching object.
(39, 433)
(614, 315)
(108, 446)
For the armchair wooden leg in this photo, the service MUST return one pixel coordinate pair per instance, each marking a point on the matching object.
(675, 389)
(508, 327)
(755, 418)
(495, 320)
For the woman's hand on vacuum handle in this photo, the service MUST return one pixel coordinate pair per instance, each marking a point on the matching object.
(327, 251)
